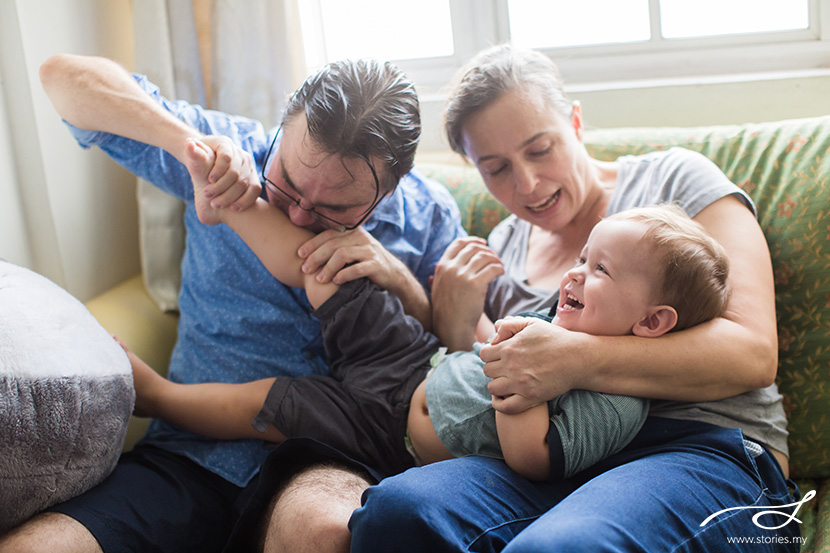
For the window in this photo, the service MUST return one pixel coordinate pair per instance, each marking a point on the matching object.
(336, 29)
(592, 41)
(552, 24)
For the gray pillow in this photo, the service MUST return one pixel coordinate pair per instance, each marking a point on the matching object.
(66, 395)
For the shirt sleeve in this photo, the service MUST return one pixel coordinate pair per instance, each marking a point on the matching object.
(161, 168)
(587, 427)
(446, 227)
(416, 223)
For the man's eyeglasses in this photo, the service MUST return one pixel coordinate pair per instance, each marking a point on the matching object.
(324, 220)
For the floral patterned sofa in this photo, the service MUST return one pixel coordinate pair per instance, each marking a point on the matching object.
(785, 167)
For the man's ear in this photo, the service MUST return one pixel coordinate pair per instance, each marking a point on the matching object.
(657, 321)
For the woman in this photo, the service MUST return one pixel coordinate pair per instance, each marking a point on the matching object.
(509, 116)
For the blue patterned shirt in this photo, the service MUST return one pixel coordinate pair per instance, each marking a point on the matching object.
(237, 322)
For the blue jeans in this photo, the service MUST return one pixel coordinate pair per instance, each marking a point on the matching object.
(652, 496)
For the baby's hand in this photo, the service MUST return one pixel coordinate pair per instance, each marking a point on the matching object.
(509, 327)
(199, 160)
(146, 381)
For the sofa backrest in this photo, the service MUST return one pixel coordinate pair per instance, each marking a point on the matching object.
(785, 167)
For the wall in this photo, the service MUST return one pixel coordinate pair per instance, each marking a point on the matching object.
(67, 213)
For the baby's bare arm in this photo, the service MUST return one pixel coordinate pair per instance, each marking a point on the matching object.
(524, 443)
(217, 410)
(269, 233)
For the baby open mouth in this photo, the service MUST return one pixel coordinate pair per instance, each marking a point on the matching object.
(572, 303)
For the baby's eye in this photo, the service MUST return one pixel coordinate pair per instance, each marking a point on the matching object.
(601, 268)
(579, 261)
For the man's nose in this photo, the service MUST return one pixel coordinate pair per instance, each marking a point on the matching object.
(300, 217)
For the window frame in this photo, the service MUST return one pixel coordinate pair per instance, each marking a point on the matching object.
(477, 24)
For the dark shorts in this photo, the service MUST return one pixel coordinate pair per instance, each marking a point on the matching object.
(378, 356)
(157, 501)
(285, 460)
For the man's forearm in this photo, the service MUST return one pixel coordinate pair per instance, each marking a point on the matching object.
(98, 94)
(414, 298)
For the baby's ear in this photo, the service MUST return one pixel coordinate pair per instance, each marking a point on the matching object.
(657, 321)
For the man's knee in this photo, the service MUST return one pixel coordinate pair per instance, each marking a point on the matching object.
(50, 533)
(311, 512)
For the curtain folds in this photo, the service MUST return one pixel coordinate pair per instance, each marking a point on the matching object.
(239, 56)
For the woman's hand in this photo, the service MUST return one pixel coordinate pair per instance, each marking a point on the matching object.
(459, 289)
(233, 181)
(531, 361)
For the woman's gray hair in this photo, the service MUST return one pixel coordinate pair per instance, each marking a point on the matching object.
(362, 109)
(493, 73)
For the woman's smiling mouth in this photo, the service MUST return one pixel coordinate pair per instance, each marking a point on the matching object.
(546, 204)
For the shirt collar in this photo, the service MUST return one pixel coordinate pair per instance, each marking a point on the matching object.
(390, 210)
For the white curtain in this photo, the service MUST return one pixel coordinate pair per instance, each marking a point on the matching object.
(28, 236)
(238, 56)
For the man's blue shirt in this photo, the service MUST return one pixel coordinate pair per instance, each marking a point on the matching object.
(237, 322)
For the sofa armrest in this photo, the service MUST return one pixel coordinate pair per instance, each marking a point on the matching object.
(128, 312)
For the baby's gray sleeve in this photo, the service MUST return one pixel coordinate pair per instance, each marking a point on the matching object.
(587, 427)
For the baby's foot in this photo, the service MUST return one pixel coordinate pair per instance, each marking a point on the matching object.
(199, 161)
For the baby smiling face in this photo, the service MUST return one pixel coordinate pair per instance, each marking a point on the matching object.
(613, 283)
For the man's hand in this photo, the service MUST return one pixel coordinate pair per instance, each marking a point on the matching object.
(233, 181)
(341, 257)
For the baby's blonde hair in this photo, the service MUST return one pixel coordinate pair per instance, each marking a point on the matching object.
(694, 265)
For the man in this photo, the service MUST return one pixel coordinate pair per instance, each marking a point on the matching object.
(355, 127)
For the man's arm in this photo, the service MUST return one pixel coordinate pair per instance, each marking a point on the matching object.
(97, 94)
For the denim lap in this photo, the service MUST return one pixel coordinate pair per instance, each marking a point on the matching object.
(652, 496)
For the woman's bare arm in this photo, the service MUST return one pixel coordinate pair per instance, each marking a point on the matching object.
(729, 355)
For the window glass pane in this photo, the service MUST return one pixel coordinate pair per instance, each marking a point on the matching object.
(698, 18)
(558, 23)
(379, 29)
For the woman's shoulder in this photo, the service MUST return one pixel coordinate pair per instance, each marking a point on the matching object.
(676, 175)
(670, 159)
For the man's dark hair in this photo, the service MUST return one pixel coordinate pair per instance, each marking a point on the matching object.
(362, 109)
